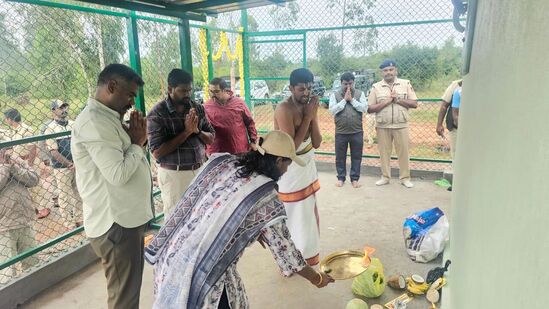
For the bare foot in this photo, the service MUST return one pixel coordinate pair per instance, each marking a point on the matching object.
(356, 184)
(339, 184)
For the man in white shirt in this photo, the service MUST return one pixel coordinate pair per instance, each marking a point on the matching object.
(114, 180)
(347, 105)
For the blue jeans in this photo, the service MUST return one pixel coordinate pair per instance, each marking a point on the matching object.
(356, 142)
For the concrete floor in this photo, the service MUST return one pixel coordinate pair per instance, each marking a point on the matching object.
(350, 219)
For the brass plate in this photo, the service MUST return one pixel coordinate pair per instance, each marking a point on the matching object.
(344, 264)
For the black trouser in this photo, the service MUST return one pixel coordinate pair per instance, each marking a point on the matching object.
(356, 142)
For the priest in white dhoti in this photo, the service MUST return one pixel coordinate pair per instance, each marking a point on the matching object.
(297, 116)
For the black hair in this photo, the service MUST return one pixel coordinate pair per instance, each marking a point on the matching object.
(179, 77)
(347, 76)
(301, 75)
(117, 70)
(220, 82)
(254, 162)
(13, 115)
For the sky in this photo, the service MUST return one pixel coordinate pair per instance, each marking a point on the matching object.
(317, 14)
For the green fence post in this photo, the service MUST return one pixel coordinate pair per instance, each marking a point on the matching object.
(135, 57)
(210, 54)
(185, 46)
(246, 56)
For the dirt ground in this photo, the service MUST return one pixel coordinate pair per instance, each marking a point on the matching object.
(424, 141)
(350, 219)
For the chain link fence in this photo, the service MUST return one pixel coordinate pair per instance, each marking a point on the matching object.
(49, 62)
(50, 57)
(332, 37)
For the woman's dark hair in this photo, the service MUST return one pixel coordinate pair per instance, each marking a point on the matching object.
(254, 162)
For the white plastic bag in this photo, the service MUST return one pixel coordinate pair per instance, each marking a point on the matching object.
(426, 234)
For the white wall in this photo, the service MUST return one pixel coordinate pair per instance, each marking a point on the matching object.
(500, 210)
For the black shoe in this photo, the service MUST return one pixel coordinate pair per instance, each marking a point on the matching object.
(449, 188)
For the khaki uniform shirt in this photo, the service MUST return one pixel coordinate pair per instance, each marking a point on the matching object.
(447, 96)
(16, 208)
(393, 116)
(22, 131)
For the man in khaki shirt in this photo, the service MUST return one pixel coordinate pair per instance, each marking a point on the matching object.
(70, 203)
(390, 100)
(16, 212)
(114, 179)
(28, 152)
(445, 113)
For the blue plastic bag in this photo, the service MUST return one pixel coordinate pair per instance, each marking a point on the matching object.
(426, 234)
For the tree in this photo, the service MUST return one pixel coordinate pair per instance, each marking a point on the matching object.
(12, 61)
(330, 55)
(63, 50)
(160, 54)
(109, 33)
(355, 12)
(449, 59)
(416, 63)
(285, 16)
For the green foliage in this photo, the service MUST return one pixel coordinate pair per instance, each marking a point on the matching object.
(159, 56)
(330, 54)
(356, 12)
(285, 16)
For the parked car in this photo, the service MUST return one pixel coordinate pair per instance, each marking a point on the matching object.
(198, 96)
(319, 88)
(259, 90)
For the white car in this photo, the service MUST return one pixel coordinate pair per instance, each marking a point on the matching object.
(259, 90)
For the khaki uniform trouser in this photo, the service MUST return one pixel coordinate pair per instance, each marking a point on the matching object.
(453, 140)
(42, 197)
(121, 252)
(401, 139)
(70, 204)
(172, 185)
(13, 242)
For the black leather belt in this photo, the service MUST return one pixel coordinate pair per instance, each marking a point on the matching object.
(175, 167)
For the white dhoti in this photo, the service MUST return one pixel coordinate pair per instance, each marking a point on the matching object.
(297, 188)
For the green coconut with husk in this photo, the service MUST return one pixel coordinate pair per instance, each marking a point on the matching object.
(356, 303)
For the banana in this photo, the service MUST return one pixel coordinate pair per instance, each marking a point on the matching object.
(414, 288)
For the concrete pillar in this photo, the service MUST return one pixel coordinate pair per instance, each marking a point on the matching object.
(500, 208)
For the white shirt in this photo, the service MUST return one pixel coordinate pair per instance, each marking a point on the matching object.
(361, 105)
(112, 174)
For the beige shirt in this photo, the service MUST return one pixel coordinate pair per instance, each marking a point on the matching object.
(393, 116)
(16, 208)
(22, 131)
(112, 174)
(447, 96)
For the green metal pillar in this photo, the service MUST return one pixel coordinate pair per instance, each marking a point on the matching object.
(135, 57)
(185, 46)
(246, 56)
(210, 53)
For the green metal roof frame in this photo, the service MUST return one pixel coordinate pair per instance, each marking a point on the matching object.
(187, 9)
